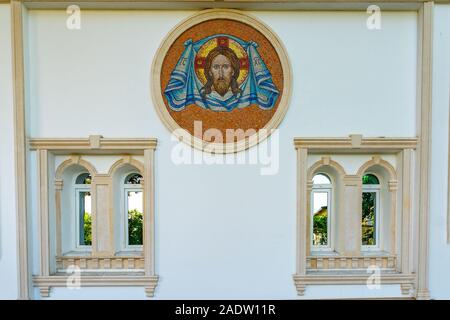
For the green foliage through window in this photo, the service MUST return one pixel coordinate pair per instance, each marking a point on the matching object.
(135, 222)
(368, 218)
(320, 228)
(134, 178)
(370, 179)
(87, 226)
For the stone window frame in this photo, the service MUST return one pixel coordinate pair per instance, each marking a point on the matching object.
(101, 185)
(401, 260)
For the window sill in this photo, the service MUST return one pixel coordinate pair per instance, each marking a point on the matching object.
(45, 283)
(377, 252)
(352, 277)
(75, 253)
(324, 252)
(131, 252)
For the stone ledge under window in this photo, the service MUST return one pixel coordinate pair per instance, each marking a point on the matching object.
(352, 277)
(45, 283)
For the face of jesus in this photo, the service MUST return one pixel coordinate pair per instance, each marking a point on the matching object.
(221, 72)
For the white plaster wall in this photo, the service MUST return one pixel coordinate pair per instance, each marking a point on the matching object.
(222, 231)
(8, 247)
(439, 265)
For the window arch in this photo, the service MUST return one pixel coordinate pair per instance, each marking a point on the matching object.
(321, 211)
(370, 211)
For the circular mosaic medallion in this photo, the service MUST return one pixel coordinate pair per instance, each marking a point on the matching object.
(221, 81)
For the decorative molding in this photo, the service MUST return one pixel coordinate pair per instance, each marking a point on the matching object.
(20, 146)
(424, 117)
(43, 186)
(44, 292)
(286, 5)
(393, 185)
(102, 216)
(100, 145)
(74, 160)
(367, 145)
(377, 161)
(320, 262)
(342, 278)
(407, 212)
(406, 288)
(95, 141)
(148, 282)
(356, 140)
(352, 180)
(124, 161)
(149, 212)
(302, 209)
(107, 262)
(325, 161)
(184, 135)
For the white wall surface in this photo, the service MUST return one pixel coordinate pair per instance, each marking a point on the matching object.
(223, 231)
(439, 249)
(226, 231)
(8, 247)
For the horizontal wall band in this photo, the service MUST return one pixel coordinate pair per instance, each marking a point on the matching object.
(355, 143)
(326, 279)
(337, 5)
(93, 143)
(148, 282)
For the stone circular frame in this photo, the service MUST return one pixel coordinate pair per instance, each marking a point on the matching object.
(210, 23)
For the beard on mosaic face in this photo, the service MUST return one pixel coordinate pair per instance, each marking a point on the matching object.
(221, 72)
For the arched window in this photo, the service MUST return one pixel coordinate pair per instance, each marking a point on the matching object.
(321, 211)
(370, 216)
(83, 211)
(133, 211)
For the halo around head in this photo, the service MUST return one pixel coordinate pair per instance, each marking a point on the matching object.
(203, 52)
